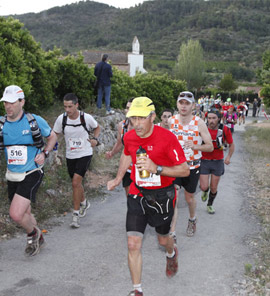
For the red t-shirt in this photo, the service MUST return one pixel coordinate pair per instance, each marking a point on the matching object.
(163, 149)
(217, 153)
(241, 108)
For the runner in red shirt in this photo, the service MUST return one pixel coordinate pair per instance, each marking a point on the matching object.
(151, 198)
(241, 111)
(212, 164)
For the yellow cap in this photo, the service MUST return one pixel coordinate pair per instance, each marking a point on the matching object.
(141, 106)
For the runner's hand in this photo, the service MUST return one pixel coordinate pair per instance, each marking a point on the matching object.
(112, 184)
(108, 155)
(93, 142)
(227, 160)
(145, 163)
(40, 158)
(189, 144)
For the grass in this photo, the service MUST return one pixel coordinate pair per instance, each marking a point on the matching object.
(258, 142)
(258, 149)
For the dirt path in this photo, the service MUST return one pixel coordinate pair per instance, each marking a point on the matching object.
(92, 260)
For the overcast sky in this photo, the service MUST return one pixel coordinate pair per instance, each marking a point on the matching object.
(24, 6)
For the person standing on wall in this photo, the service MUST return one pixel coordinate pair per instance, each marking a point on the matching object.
(103, 72)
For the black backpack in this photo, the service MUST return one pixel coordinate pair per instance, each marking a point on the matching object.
(82, 119)
(36, 133)
(220, 138)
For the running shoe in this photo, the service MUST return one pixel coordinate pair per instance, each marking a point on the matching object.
(75, 221)
(204, 196)
(191, 229)
(33, 243)
(135, 293)
(83, 209)
(172, 264)
(210, 210)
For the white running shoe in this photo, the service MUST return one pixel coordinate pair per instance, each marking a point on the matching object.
(75, 221)
(83, 209)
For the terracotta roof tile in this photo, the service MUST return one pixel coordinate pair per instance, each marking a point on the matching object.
(116, 58)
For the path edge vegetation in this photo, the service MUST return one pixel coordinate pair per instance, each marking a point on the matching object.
(257, 163)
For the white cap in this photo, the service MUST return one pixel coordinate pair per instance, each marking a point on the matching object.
(186, 95)
(12, 93)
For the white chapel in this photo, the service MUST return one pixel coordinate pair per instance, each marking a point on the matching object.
(135, 59)
(129, 62)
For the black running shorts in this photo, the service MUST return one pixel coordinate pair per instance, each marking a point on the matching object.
(189, 183)
(26, 188)
(212, 167)
(126, 181)
(138, 217)
(78, 166)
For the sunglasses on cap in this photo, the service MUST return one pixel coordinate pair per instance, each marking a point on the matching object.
(182, 95)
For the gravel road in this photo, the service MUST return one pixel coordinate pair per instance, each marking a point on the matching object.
(92, 260)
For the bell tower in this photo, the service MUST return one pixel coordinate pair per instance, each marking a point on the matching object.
(135, 46)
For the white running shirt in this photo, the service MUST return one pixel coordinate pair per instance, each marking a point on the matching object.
(77, 145)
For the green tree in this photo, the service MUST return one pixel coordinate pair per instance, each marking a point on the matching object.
(76, 77)
(264, 78)
(23, 62)
(227, 83)
(190, 65)
(160, 88)
(123, 88)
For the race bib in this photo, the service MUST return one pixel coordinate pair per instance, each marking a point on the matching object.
(229, 125)
(17, 155)
(75, 144)
(153, 180)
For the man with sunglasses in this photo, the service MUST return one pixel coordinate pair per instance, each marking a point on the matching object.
(194, 137)
(151, 200)
(123, 127)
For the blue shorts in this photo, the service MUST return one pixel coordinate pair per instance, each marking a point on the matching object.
(212, 167)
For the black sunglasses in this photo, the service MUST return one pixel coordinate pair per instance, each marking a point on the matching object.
(182, 95)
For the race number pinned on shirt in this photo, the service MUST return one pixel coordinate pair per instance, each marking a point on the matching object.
(17, 155)
(153, 180)
(75, 144)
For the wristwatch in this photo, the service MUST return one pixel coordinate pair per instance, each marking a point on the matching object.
(46, 153)
(159, 170)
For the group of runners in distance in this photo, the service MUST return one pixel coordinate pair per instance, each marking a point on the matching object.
(185, 149)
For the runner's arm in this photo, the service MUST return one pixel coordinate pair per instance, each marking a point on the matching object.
(118, 145)
(125, 162)
(51, 140)
(230, 153)
(180, 170)
(94, 142)
(207, 145)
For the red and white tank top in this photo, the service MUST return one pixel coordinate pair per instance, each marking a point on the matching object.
(188, 132)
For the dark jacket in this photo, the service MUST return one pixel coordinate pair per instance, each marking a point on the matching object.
(105, 75)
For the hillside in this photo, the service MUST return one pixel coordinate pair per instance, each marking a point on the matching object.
(229, 30)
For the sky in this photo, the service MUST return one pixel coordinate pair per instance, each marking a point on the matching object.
(8, 7)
